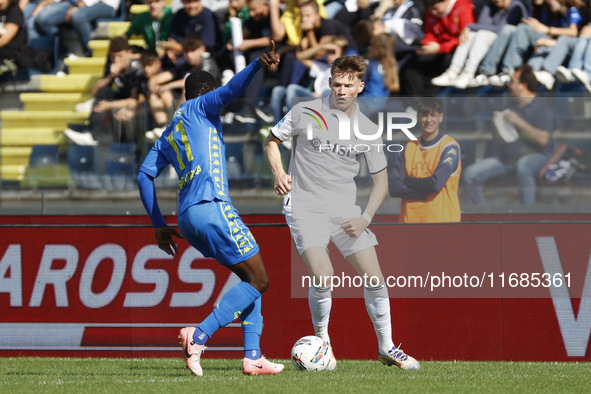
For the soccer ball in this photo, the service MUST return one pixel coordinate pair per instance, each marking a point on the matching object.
(311, 353)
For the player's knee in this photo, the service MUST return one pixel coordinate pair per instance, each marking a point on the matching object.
(260, 283)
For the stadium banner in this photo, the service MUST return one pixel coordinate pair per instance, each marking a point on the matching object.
(100, 287)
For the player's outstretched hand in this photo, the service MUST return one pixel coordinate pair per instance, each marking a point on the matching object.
(164, 239)
(269, 59)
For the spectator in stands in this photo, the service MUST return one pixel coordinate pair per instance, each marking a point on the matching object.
(160, 100)
(224, 57)
(444, 21)
(314, 26)
(154, 26)
(476, 40)
(524, 152)
(317, 60)
(382, 79)
(554, 18)
(404, 21)
(113, 113)
(80, 14)
(12, 35)
(550, 68)
(257, 34)
(164, 83)
(289, 26)
(287, 32)
(236, 9)
(352, 15)
(83, 14)
(193, 18)
(426, 174)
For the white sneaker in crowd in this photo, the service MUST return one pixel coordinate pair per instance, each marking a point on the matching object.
(446, 79)
(85, 106)
(227, 74)
(500, 79)
(80, 138)
(564, 75)
(155, 133)
(463, 80)
(545, 78)
(583, 77)
(479, 80)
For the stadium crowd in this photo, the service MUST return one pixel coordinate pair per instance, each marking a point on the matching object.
(413, 49)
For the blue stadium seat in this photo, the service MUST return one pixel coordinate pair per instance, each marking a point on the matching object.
(235, 160)
(120, 167)
(45, 169)
(83, 166)
(43, 155)
(569, 110)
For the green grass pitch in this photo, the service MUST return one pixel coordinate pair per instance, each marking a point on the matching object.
(169, 375)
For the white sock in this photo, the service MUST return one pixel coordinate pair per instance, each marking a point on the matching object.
(320, 301)
(377, 303)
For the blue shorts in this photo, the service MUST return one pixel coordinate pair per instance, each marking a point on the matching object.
(216, 230)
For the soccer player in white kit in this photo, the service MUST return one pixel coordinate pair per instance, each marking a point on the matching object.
(320, 194)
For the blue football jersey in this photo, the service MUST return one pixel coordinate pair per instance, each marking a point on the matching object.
(194, 145)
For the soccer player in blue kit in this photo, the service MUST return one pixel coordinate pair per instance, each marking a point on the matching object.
(194, 145)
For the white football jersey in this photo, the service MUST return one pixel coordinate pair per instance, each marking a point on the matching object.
(324, 154)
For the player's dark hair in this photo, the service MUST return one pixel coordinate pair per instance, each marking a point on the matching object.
(354, 64)
(528, 77)
(311, 3)
(428, 105)
(198, 83)
(148, 56)
(118, 44)
(192, 42)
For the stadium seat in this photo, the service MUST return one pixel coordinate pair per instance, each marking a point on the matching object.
(167, 179)
(235, 160)
(82, 163)
(45, 170)
(569, 110)
(120, 167)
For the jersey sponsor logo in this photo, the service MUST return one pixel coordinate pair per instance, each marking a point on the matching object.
(187, 178)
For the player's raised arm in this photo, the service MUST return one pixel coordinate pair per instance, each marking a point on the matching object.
(222, 96)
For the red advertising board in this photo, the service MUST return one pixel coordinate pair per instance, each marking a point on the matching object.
(83, 287)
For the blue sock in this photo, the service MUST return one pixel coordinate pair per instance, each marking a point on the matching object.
(199, 337)
(232, 305)
(252, 326)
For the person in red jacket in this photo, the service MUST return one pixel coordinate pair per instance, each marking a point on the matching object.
(444, 21)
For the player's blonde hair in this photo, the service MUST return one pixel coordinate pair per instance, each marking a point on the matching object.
(349, 65)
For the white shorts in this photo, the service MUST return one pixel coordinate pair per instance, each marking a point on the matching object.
(318, 229)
